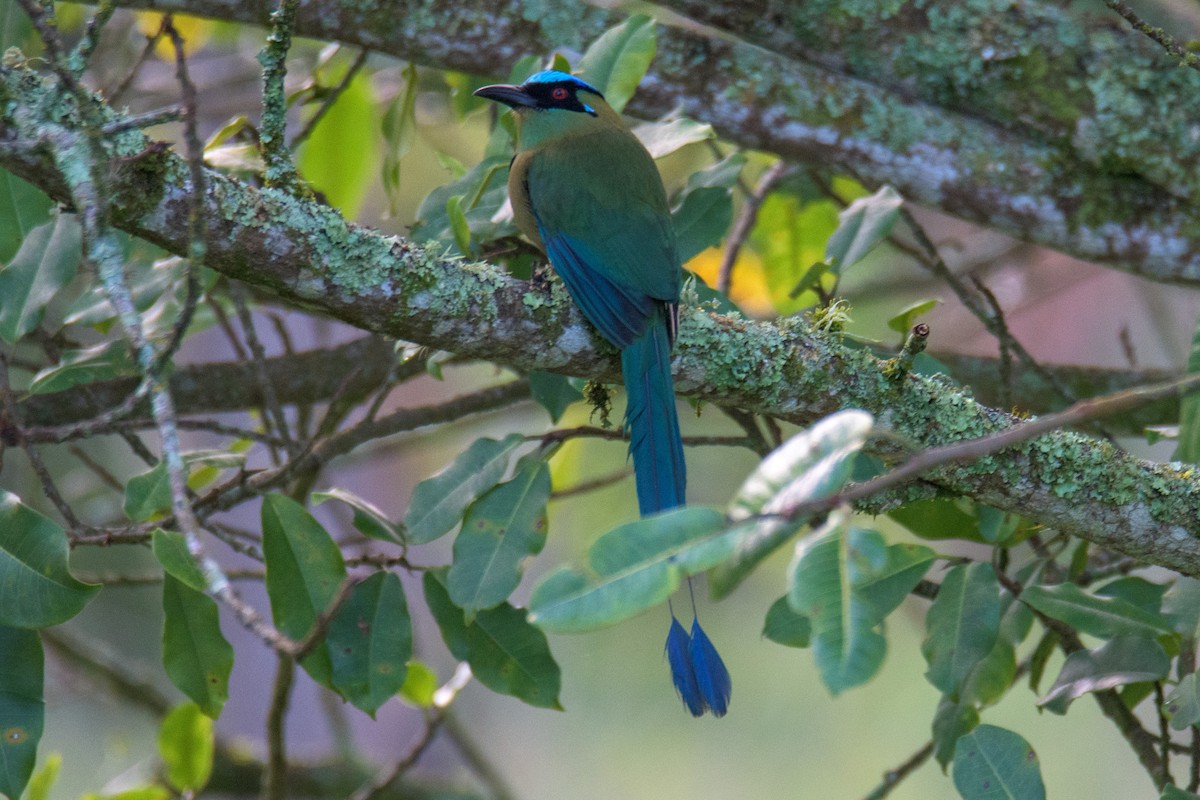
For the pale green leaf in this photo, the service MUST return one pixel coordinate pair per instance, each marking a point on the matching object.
(399, 132)
(784, 626)
(43, 780)
(824, 577)
(185, 743)
(1120, 661)
(616, 62)
(811, 465)
(438, 503)
(420, 682)
(47, 261)
(665, 136)
(1188, 448)
(862, 226)
(103, 362)
(368, 519)
(903, 321)
(634, 567)
(339, 158)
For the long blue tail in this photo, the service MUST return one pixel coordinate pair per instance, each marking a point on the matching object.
(654, 439)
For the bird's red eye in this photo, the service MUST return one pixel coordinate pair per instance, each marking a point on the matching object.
(559, 93)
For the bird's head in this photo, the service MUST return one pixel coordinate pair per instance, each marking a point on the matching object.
(549, 90)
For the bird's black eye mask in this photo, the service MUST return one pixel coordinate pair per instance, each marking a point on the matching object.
(561, 95)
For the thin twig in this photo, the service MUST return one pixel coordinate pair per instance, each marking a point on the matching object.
(151, 43)
(476, 759)
(259, 355)
(274, 779)
(893, 777)
(745, 221)
(330, 97)
(971, 449)
(10, 422)
(1164, 39)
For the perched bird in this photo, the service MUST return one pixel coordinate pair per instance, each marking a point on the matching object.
(586, 191)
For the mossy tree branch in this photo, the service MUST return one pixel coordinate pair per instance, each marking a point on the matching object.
(1101, 163)
(308, 254)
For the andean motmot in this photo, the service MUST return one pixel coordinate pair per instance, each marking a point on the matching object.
(586, 191)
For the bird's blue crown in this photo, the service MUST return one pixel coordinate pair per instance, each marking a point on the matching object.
(548, 76)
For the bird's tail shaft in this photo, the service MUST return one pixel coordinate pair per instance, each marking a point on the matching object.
(653, 425)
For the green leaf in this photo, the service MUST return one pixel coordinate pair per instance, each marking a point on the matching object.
(701, 219)
(553, 392)
(1181, 605)
(148, 495)
(1188, 448)
(368, 519)
(22, 207)
(43, 780)
(1136, 591)
(438, 503)
(304, 572)
(1182, 705)
(500, 532)
(616, 62)
(484, 192)
(635, 567)
(104, 362)
(420, 682)
(1171, 792)
(506, 653)
(811, 465)
(1120, 661)
(370, 642)
(399, 133)
(22, 708)
(339, 158)
(185, 743)
(885, 589)
(665, 136)
(861, 227)
(171, 550)
(952, 719)
(823, 585)
(137, 793)
(962, 625)
(37, 589)
(903, 321)
(724, 174)
(940, 518)
(46, 262)
(196, 656)
(458, 224)
(1098, 616)
(992, 763)
(784, 626)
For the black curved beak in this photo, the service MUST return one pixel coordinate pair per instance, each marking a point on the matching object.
(512, 96)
